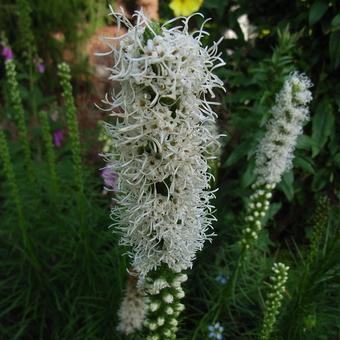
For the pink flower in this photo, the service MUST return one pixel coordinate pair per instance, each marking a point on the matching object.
(41, 67)
(110, 178)
(7, 53)
(58, 136)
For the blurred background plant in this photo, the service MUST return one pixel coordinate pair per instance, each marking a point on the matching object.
(62, 273)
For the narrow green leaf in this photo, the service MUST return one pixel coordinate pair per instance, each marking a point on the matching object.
(337, 160)
(323, 125)
(305, 164)
(237, 154)
(305, 142)
(287, 185)
(335, 24)
(320, 180)
(317, 11)
(334, 49)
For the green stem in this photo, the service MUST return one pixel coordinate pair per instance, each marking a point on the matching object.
(51, 158)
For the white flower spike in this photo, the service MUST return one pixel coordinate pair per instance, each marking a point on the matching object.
(163, 141)
(275, 153)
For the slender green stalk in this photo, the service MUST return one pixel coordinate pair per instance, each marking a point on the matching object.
(51, 158)
(72, 123)
(16, 102)
(27, 40)
(274, 299)
(10, 175)
(28, 45)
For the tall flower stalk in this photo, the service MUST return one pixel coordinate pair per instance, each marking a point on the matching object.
(275, 152)
(274, 299)
(162, 136)
(27, 39)
(16, 103)
(320, 220)
(72, 124)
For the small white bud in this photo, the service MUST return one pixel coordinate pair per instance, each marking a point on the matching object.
(168, 298)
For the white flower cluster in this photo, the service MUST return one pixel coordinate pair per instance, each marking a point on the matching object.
(132, 310)
(162, 138)
(275, 152)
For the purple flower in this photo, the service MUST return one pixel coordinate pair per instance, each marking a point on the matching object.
(7, 53)
(110, 178)
(41, 67)
(58, 136)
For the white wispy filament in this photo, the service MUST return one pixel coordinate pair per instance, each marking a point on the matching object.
(163, 138)
(275, 152)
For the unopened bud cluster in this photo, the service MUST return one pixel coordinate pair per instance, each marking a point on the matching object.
(320, 219)
(274, 299)
(164, 306)
(257, 208)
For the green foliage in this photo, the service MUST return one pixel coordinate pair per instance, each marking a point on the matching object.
(53, 256)
(63, 273)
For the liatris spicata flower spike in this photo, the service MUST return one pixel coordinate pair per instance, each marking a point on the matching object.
(132, 310)
(47, 137)
(162, 139)
(320, 219)
(164, 290)
(275, 152)
(16, 103)
(27, 39)
(72, 123)
(274, 299)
